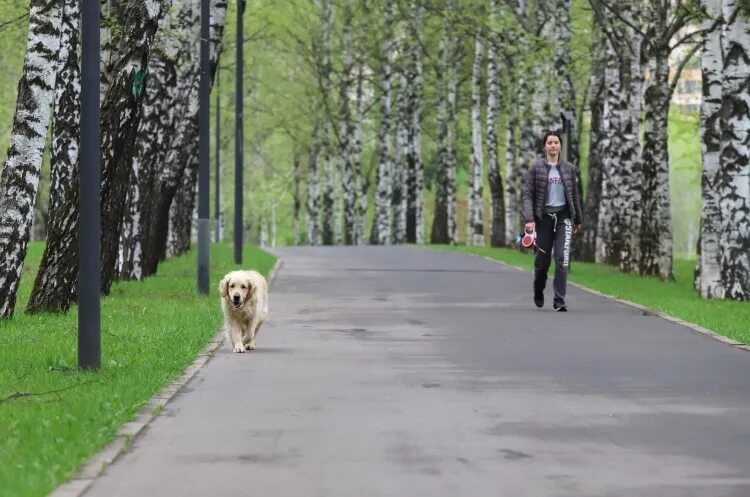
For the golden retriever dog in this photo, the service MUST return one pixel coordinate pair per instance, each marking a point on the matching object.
(244, 300)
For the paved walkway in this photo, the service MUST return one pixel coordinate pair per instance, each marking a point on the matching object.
(408, 372)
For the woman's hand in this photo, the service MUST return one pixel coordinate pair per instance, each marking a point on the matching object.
(576, 229)
(529, 228)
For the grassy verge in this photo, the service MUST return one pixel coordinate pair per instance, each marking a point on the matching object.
(151, 331)
(678, 298)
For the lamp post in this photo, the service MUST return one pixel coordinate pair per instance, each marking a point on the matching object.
(238, 137)
(217, 190)
(203, 151)
(89, 239)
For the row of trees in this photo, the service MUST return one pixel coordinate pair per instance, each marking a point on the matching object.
(149, 126)
(381, 106)
(525, 81)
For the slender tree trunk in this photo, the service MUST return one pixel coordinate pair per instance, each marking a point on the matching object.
(656, 223)
(513, 158)
(19, 180)
(597, 136)
(400, 165)
(415, 180)
(452, 138)
(497, 202)
(381, 225)
(183, 211)
(346, 147)
(440, 233)
(605, 252)
(708, 274)
(733, 179)
(297, 206)
(475, 211)
(356, 152)
(327, 204)
(313, 192)
(57, 274)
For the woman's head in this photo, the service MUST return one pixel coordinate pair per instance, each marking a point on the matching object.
(552, 142)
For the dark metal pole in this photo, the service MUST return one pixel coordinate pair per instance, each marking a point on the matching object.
(238, 137)
(89, 250)
(203, 152)
(217, 191)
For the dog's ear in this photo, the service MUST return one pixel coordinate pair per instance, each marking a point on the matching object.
(224, 287)
(250, 290)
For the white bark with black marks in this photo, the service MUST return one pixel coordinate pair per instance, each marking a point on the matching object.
(400, 164)
(498, 218)
(708, 272)
(475, 210)
(19, 180)
(733, 179)
(327, 214)
(381, 224)
(57, 275)
(415, 178)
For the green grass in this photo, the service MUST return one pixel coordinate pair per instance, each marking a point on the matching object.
(151, 331)
(678, 298)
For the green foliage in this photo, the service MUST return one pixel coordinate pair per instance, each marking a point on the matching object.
(678, 298)
(151, 331)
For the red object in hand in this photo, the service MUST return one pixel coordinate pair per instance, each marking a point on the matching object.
(528, 239)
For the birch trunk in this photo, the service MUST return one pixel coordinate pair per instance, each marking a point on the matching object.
(381, 224)
(183, 212)
(415, 181)
(498, 217)
(400, 166)
(733, 179)
(597, 136)
(656, 223)
(708, 274)
(120, 116)
(57, 275)
(19, 180)
(475, 211)
(297, 206)
(325, 137)
(154, 136)
(440, 228)
(356, 152)
(346, 147)
(313, 192)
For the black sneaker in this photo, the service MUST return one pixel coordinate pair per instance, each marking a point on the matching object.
(539, 299)
(559, 307)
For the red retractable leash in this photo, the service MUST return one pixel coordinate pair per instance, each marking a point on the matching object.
(529, 240)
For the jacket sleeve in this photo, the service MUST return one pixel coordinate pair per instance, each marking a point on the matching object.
(528, 192)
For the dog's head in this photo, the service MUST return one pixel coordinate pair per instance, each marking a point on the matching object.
(237, 288)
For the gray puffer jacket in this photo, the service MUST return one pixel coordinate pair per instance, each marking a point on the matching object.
(534, 191)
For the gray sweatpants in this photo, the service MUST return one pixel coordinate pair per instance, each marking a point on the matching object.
(553, 234)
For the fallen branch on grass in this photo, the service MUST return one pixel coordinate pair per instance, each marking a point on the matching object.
(19, 395)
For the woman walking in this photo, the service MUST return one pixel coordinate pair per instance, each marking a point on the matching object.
(551, 207)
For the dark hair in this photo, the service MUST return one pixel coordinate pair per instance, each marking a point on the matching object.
(551, 132)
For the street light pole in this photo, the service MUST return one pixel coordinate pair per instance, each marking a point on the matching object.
(203, 151)
(217, 190)
(238, 137)
(89, 250)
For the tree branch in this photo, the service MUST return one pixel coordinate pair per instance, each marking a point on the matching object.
(680, 67)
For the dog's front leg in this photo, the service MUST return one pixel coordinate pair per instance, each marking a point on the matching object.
(250, 338)
(235, 336)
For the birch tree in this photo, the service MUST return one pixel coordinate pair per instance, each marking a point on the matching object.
(55, 279)
(475, 211)
(400, 165)
(327, 216)
(708, 275)
(381, 224)
(346, 145)
(19, 180)
(415, 174)
(497, 204)
(733, 178)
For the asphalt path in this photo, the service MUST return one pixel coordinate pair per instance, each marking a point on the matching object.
(407, 372)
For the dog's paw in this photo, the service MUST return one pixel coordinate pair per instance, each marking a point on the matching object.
(239, 348)
(251, 345)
